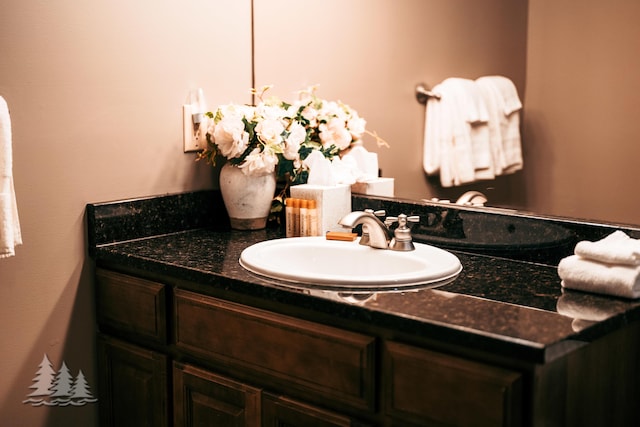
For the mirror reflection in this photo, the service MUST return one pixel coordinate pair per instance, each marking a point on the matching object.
(575, 72)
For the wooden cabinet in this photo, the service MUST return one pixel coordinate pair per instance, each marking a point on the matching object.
(202, 398)
(313, 360)
(426, 387)
(281, 411)
(133, 386)
(133, 306)
(169, 356)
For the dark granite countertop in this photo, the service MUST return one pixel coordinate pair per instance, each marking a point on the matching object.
(509, 307)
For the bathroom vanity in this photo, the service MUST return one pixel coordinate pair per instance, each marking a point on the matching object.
(187, 337)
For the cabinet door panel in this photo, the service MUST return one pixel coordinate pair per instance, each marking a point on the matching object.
(133, 385)
(427, 388)
(132, 305)
(202, 398)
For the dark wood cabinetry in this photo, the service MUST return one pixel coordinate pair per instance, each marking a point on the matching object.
(423, 385)
(313, 360)
(281, 411)
(175, 357)
(202, 398)
(133, 385)
(268, 352)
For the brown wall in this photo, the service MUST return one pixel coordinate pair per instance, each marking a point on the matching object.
(95, 91)
(582, 104)
(372, 53)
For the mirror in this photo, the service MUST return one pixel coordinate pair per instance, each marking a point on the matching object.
(575, 70)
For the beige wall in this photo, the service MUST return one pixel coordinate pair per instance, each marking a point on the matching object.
(582, 103)
(372, 53)
(95, 91)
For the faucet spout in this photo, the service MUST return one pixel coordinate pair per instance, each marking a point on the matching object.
(474, 198)
(379, 234)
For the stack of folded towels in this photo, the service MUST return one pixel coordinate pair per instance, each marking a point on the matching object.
(609, 266)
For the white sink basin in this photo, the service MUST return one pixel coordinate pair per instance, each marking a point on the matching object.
(318, 262)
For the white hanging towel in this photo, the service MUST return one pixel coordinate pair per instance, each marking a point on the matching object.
(456, 142)
(501, 95)
(10, 235)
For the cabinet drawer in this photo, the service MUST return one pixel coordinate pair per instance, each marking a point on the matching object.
(132, 305)
(315, 360)
(424, 387)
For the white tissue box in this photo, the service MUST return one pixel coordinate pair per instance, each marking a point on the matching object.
(333, 202)
(375, 187)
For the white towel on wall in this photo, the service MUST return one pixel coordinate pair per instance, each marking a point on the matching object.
(507, 113)
(456, 142)
(494, 103)
(10, 234)
(431, 154)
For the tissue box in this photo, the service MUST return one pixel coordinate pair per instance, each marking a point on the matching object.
(374, 187)
(333, 202)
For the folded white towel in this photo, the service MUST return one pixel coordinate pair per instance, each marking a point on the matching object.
(592, 276)
(456, 139)
(438, 137)
(10, 234)
(508, 105)
(493, 101)
(616, 248)
(432, 156)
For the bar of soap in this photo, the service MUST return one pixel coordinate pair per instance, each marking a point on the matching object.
(341, 235)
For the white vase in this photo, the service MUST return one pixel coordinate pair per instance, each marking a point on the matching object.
(246, 197)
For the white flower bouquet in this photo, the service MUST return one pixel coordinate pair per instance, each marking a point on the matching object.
(278, 136)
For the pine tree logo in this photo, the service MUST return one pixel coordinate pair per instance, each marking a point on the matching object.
(60, 388)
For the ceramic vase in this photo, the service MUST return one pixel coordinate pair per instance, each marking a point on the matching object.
(247, 198)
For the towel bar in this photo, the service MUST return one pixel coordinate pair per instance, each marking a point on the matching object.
(423, 94)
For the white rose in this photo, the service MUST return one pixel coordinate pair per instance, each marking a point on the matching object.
(333, 109)
(356, 126)
(259, 163)
(334, 132)
(230, 136)
(270, 131)
(269, 112)
(297, 135)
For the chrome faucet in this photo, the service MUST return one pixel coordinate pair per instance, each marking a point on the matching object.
(379, 234)
(402, 240)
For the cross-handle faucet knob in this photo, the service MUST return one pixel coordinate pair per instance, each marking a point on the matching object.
(402, 240)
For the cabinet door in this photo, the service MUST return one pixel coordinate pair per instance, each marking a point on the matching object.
(428, 388)
(278, 411)
(133, 306)
(133, 385)
(202, 398)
